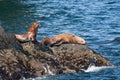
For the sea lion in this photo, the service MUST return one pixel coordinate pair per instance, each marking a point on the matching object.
(61, 39)
(30, 35)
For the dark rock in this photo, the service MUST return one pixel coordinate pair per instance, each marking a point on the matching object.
(77, 57)
(8, 41)
(116, 39)
(28, 60)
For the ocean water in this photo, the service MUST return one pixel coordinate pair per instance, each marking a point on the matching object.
(97, 21)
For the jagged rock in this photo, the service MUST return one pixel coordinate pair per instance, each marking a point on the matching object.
(28, 60)
(15, 63)
(78, 57)
(8, 41)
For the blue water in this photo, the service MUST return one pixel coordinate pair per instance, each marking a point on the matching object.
(97, 21)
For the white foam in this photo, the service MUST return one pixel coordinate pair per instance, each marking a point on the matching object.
(96, 69)
(47, 69)
(38, 78)
(90, 69)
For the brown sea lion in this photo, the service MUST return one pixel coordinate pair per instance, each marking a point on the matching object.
(30, 35)
(63, 38)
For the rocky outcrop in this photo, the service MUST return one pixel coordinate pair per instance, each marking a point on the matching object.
(28, 60)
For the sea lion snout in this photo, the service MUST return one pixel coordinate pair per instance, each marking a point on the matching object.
(36, 24)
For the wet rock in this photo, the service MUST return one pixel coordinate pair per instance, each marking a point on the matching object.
(1, 30)
(15, 62)
(29, 60)
(77, 57)
(8, 41)
(117, 40)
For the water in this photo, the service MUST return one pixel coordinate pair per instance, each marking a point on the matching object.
(97, 21)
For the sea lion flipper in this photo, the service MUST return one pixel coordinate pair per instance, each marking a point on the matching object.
(58, 42)
(30, 35)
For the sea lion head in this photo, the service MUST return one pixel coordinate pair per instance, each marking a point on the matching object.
(36, 24)
(45, 41)
(82, 41)
(34, 27)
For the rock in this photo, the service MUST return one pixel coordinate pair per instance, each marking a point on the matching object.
(15, 63)
(77, 57)
(8, 41)
(116, 40)
(29, 60)
(1, 30)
